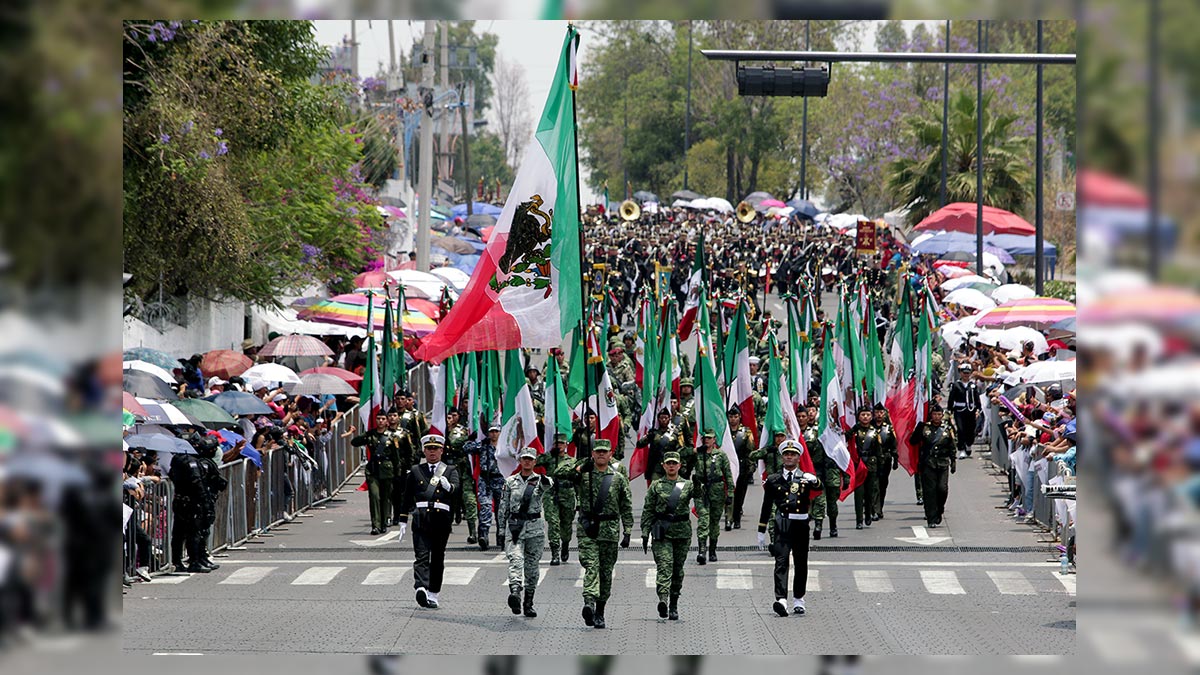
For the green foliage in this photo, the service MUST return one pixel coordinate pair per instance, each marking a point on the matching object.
(462, 34)
(487, 163)
(1056, 288)
(241, 180)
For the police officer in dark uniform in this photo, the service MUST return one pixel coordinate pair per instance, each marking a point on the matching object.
(662, 439)
(214, 485)
(187, 478)
(427, 494)
(866, 439)
(963, 401)
(936, 461)
(743, 444)
(889, 460)
(826, 504)
(789, 492)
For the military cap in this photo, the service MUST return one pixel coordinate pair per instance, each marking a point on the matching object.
(407, 393)
(561, 438)
(879, 406)
(615, 341)
(734, 410)
(494, 427)
(671, 457)
(527, 452)
(863, 409)
(709, 433)
(433, 440)
(966, 367)
(664, 411)
(755, 359)
(601, 444)
(935, 407)
(687, 382)
(790, 446)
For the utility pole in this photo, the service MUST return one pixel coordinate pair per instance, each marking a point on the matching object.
(466, 145)
(426, 176)
(945, 119)
(979, 156)
(1155, 229)
(804, 130)
(444, 121)
(687, 117)
(391, 47)
(1039, 274)
(354, 59)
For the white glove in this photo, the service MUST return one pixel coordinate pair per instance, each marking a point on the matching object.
(444, 482)
(762, 541)
(403, 531)
(808, 478)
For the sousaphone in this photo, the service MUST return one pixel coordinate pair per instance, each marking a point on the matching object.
(745, 212)
(630, 211)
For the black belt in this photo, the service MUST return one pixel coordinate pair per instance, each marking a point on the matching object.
(531, 516)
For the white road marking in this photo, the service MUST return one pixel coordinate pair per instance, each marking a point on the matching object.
(942, 582)
(317, 576)
(740, 563)
(459, 576)
(814, 580)
(873, 581)
(1117, 646)
(1011, 582)
(579, 581)
(384, 576)
(248, 575)
(734, 580)
(651, 577)
(171, 579)
(1188, 643)
(1068, 582)
(177, 654)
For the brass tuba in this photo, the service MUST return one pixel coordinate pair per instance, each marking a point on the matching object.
(630, 210)
(745, 212)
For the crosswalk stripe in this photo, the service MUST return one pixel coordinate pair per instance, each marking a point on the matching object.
(384, 576)
(873, 581)
(1011, 582)
(734, 580)
(1188, 643)
(459, 576)
(173, 579)
(942, 582)
(651, 577)
(248, 575)
(579, 581)
(1117, 646)
(814, 580)
(1068, 582)
(317, 576)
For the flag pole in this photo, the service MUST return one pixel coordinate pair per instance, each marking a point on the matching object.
(583, 299)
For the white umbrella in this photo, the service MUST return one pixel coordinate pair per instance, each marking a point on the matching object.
(969, 297)
(146, 367)
(1046, 371)
(954, 284)
(1011, 339)
(421, 284)
(271, 372)
(954, 332)
(457, 278)
(1171, 382)
(1010, 292)
(1122, 339)
(992, 264)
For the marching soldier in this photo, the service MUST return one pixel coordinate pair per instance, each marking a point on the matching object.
(714, 480)
(963, 402)
(427, 496)
(826, 502)
(522, 535)
(743, 444)
(558, 501)
(936, 461)
(662, 439)
(620, 369)
(665, 517)
(381, 462)
(789, 492)
(397, 438)
(889, 459)
(465, 504)
(412, 428)
(866, 439)
(490, 482)
(687, 405)
(605, 504)
(772, 460)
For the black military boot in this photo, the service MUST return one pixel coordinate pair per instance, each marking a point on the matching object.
(483, 538)
(589, 612)
(528, 606)
(599, 618)
(728, 526)
(867, 520)
(566, 551)
(555, 560)
(700, 557)
(514, 599)
(673, 610)
(471, 532)
(712, 550)
(833, 528)
(662, 608)
(817, 531)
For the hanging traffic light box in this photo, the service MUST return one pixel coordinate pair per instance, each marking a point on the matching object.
(789, 81)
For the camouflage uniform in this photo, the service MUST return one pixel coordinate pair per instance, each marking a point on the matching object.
(866, 440)
(465, 501)
(714, 483)
(621, 372)
(672, 531)
(522, 526)
(831, 477)
(382, 458)
(558, 504)
(491, 482)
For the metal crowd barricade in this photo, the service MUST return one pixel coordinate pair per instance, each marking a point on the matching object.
(154, 517)
(231, 526)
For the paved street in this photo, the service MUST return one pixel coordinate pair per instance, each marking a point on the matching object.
(979, 585)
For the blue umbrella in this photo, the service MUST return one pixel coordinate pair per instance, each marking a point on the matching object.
(804, 207)
(158, 358)
(160, 443)
(230, 439)
(460, 210)
(240, 403)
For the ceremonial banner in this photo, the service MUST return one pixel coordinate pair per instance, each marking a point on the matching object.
(864, 240)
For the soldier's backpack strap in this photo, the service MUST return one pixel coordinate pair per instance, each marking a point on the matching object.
(527, 497)
(429, 489)
(602, 495)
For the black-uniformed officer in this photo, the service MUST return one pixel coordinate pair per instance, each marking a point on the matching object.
(427, 496)
(866, 439)
(824, 504)
(187, 478)
(790, 493)
(743, 444)
(662, 439)
(963, 402)
(214, 485)
(935, 461)
(889, 460)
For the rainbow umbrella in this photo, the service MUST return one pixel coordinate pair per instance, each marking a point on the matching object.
(1033, 312)
(350, 309)
(1154, 304)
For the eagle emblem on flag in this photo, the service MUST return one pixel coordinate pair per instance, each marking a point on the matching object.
(526, 259)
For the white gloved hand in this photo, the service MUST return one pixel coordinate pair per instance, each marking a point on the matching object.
(762, 541)
(808, 478)
(444, 482)
(403, 530)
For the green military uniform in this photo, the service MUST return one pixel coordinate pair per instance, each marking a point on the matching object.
(620, 372)
(831, 478)
(558, 504)
(743, 443)
(866, 440)
(520, 519)
(600, 527)
(769, 455)
(456, 455)
(625, 412)
(889, 460)
(382, 458)
(665, 516)
(936, 460)
(714, 483)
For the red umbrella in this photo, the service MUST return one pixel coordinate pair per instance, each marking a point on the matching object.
(129, 402)
(1101, 189)
(374, 279)
(295, 345)
(340, 373)
(224, 363)
(427, 307)
(960, 217)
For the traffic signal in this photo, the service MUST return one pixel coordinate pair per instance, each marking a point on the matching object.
(772, 81)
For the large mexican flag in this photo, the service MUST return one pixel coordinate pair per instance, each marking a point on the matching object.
(525, 289)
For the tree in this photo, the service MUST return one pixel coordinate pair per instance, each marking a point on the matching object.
(462, 35)
(1007, 175)
(512, 109)
(890, 36)
(488, 163)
